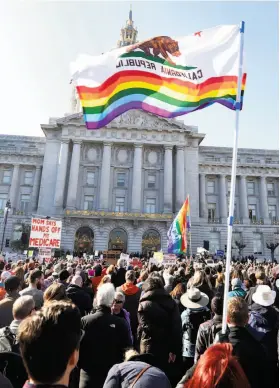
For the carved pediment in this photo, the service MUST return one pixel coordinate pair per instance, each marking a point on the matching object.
(132, 119)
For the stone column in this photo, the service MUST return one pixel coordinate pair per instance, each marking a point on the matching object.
(244, 213)
(168, 179)
(180, 177)
(14, 187)
(192, 175)
(36, 188)
(74, 175)
(222, 197)
(263, 198)
(136, 203)
(105, 178)
(202, 197)
(61, 175)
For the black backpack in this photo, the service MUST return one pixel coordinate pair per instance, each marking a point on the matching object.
(8, 342)
(195, 319)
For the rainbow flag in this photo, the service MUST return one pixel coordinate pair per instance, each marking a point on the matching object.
(188, 214)
(177, 234)
(165, 76)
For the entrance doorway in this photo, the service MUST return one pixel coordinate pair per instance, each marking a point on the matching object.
(84, 240)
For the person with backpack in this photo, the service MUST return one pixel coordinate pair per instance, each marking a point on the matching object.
(264, 325)
(196, 313)
(207, 331)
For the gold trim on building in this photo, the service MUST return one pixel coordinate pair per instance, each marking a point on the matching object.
(90, 213)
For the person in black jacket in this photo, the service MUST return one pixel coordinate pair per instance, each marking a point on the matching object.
(79, 296)
(160, 327)
(106, 337)
(246, 348)
(118, 277)
(264, 325)
(207, 331)
(132, 296)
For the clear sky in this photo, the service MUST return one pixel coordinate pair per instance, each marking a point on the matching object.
(39, 40)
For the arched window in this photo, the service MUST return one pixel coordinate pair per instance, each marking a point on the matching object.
(84, 240)
(151, 241)
(118, 240)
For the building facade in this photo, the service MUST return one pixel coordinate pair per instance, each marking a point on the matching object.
(120, 187)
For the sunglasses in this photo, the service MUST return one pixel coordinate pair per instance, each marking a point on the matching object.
(118, 301)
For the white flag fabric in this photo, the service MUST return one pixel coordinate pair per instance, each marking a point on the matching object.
(166, 76)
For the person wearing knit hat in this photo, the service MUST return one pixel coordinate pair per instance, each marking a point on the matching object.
(237, 289)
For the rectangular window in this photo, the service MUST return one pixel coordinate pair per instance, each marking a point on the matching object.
(7, 175)
(211, 211)
(150, 205)
(234, 211)
(24, 202)
(272, 212)
(252, 212)
(17, 232)
(90, 178)
(3, 200)
(88, 202)
(28, 177)
(151, 181)
(214, 243)
(257, 243)
(270, 189)
(228, 187)
(119, 204)
(121, 179)
(211, 187)
(251, 188)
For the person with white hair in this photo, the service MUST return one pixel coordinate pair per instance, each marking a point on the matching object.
(106, 337)
(118, 277)
(79, 296)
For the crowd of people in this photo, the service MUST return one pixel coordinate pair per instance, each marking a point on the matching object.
(84, 324)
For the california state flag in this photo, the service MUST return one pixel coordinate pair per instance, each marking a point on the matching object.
(166, 76)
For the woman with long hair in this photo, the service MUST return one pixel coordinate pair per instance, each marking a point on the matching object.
(176, 294)
(56, 291)
(218, 368)
(200, 281)
(220, 284)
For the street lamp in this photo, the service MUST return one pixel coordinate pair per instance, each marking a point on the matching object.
(6, 212)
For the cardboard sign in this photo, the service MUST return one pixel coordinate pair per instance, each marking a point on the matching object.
(45, 233)
(125, 257)
(169, 259)
(158, 256)
(44, 253)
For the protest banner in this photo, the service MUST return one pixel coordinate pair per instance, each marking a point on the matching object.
(125, 257)
(136, 262)
(169, 259)
(220, 253)
(45, 253)
(45, 233)
(158, 256)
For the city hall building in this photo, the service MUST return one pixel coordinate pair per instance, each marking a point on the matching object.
(120, 187)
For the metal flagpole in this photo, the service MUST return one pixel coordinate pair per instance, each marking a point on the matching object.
(233, 176)
(190, 231)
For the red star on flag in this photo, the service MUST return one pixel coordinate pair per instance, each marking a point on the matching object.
(198, 33)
